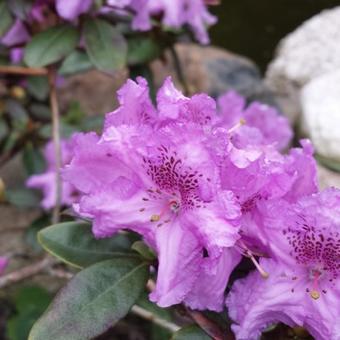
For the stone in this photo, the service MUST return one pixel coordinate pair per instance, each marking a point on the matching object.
(320, 103)
(94, 90)
(214, 71)
(310, 51)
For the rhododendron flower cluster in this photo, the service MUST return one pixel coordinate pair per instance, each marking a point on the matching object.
(176, 14)
(204, 183)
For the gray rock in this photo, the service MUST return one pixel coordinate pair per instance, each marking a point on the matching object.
(214, 71)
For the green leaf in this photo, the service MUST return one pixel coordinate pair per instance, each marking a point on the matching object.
(41, 112)
(20, 8)
(23, 198)
(17, 113)
(142, 50)
(105, 45)
(75, 114)
(141, 248)
(5, 18)
(38, 87)
(190, 333)
(33, 159)
(76, 62)
(31, 232)
(93, 301)
(30, 303)
(66, 130)
(74, 243)
(51, 45)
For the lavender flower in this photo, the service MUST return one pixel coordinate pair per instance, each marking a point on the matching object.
(46, 181)
(304, 283)
(175, 14)
(3, 263)
(273, 127)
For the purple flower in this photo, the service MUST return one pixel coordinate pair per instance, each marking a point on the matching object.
(255, 303)
(46, 182)
(16, 35)
(70, 10)
(259, 174)
(151, 172)
(175, 14)
(161, 184)
(274, 128)
(304, 282)
(3, 263)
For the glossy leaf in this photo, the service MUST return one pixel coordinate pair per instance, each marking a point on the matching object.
(51, 45)
(23, 198)
(33, 159)
(30, 303)
(142, 50)
(192, 332)
(74, 243)
(38, 87)
(141, 248)
(105, 45)
(76, 62)
(93, 301)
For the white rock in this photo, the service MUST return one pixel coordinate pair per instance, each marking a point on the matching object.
(311, 50)
(320, 101)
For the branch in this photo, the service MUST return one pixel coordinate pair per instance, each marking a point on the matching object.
(207, 325)
(149, 316)
(25, 272)
(56, 143)
(27, 71)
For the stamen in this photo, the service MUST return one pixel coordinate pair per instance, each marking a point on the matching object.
(247, 252)
(314, 292)
(241, 122)
(263, 273)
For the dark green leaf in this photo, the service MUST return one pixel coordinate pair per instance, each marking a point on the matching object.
(51, 45)
(23, 198)
(94, 300)
(105, 45)
(75, 114)
(66, 130)
(31, 233)
(17, 113)
(20, 8)
(92, 123)
(190, 333)
(74, 243)
(76, 62)
(142, 50)
(30, 303)
(33, 159)
(41, 112)
(5, 18)
(38, 87)
(141, 248)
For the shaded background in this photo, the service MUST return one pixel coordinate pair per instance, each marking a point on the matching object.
(254, 27)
